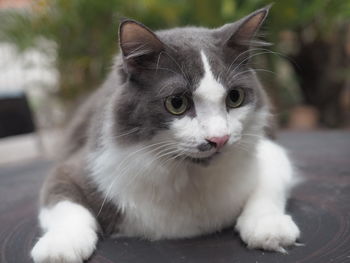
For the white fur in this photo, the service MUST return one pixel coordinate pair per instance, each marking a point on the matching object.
(191, 200)
(209, 99)
(69, 234)
(209, 88)
(263, 223)
(175, 200)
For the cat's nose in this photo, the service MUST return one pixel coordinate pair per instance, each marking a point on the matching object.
(218, 142)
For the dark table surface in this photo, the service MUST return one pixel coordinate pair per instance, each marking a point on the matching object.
(320, 206)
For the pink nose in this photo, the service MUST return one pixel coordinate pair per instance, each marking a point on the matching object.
(219, 141)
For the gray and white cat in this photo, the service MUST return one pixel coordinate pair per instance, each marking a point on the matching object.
(171, 146)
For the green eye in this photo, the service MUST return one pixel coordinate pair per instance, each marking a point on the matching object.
(235, 98)
(177, 104)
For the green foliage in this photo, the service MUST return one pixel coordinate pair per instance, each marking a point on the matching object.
(85, 31)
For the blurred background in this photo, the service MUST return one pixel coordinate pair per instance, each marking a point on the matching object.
(55, 52)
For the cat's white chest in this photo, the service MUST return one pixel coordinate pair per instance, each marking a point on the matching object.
(190, 200)
(183, 203)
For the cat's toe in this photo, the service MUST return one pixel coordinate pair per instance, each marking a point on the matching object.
(270, 232)
(56, 247)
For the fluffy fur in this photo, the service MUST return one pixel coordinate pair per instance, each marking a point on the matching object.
(68, 238)
(139, 170)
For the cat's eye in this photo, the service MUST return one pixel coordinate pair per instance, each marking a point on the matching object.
(177, 104)
(235, 98)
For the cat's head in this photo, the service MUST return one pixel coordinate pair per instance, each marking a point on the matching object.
(191, 90)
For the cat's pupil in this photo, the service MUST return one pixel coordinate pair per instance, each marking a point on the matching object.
(234, 95)
(177, 102)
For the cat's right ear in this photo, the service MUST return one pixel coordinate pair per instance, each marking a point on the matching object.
(139, 45)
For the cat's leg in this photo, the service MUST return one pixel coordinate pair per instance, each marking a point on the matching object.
(69, 228)
(263, 222)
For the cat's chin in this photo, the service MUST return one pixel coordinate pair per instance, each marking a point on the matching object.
(202, 160)
(199, 161)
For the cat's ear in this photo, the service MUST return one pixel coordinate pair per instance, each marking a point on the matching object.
(243, 32)
(138, 44)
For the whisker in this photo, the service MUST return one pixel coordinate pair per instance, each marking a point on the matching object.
(263, 51)
(127, 133)
(244, 52)
(183, 73)
(162, 144)
(172, 158)
(251, 56)
(169, 151)
(234, 78)
(167, 69)
(253, 135)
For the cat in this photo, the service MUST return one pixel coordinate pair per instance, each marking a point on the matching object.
(171, 146)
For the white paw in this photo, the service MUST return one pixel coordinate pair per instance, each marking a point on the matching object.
(65, 247)
(269, 232)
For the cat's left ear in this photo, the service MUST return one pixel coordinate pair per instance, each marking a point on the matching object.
(138, 44)
(243, 32)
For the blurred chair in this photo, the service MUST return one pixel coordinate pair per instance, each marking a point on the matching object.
(15, 115)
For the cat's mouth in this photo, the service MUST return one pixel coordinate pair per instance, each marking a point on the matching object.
(204, 160)
(199, 157)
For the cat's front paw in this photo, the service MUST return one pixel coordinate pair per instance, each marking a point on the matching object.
(56, 247)
(269, 232)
